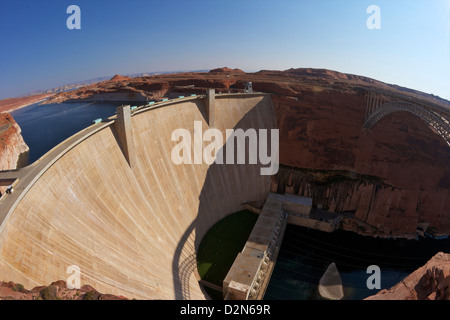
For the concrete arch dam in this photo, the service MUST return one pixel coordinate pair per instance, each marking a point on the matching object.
(132, 227)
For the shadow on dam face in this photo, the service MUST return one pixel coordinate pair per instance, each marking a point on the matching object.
(225, 188)
(133, 231)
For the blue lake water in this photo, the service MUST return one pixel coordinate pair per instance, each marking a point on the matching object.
(45, 126)
(305, 255)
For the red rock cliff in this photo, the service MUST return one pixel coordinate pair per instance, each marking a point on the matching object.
(323, 131)
(12, 145)
(430, 282)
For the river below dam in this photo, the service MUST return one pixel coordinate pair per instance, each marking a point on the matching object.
(305, 255)
(45, 126)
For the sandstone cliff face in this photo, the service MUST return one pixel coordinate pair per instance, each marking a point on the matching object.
(430, 282)
(323, 131)
(12, 145)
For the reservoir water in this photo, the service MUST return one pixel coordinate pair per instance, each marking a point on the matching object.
(305, 255)
(45, 126)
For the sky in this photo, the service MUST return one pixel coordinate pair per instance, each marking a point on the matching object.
(411, 47)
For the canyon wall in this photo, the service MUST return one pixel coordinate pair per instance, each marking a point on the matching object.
(400, 167)
(12, 145)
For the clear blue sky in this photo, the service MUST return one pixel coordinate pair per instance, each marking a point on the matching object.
(38, 51)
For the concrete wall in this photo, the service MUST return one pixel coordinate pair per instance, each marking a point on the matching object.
(132, 231)
(311, 223)
(297, 204)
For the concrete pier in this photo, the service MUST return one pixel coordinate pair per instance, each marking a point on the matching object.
(251, 271)
(297, 204)
(211, 106)
(124, 133)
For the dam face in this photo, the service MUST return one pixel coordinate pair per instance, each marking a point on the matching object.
(133, 230)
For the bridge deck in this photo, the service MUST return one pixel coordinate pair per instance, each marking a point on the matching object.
(442, 107)
(380, 103)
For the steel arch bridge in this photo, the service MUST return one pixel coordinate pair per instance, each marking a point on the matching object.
(437, 117)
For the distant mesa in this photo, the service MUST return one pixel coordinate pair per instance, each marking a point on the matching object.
(226, 70)
(118, 77)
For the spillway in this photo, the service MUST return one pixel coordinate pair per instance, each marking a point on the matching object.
(132, 230)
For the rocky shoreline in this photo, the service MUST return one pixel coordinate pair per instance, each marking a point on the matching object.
(11, 104)
(429, 282)
(57, 290)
